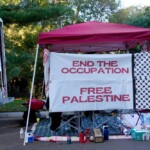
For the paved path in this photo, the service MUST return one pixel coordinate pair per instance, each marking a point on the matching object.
(9, 140)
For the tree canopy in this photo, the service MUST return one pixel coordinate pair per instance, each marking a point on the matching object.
(133, 15)
(25, 19)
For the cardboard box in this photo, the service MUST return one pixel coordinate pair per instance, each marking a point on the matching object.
(98, 137)
(140, 135)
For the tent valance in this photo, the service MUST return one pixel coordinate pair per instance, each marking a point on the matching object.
(94, 34)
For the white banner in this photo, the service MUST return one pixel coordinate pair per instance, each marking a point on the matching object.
(105, 82)
(91, 95)
(85, 66)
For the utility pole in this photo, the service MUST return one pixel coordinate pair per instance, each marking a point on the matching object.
(3, 77)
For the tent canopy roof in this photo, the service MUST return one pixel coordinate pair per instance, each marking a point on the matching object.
(94, 34)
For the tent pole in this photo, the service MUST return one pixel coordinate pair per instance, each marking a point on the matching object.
(42, 88)
(29, 107)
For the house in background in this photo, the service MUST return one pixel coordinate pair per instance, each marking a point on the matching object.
(3, 77)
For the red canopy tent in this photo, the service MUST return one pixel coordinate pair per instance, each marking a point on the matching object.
(91, 36)
(94, 36)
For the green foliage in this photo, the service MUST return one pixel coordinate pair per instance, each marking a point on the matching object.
(133, 16)
(122, 15)
(9, 2)
(20, 50)
(140, 18)
(30, 15)
(15, 106)
(97, 10)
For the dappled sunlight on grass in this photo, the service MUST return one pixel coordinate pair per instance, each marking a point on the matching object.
(15, 106)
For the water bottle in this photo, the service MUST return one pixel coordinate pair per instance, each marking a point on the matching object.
(69, 139)
(105, 132)
(87, 135)
(21, 133)
(81, 137)
(68, 133)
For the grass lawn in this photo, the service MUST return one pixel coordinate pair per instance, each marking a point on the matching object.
(14, 106)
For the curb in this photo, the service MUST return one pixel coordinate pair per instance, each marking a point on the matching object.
(17, 114)
(11, 114)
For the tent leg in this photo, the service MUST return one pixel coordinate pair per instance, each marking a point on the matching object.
(31, 92)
